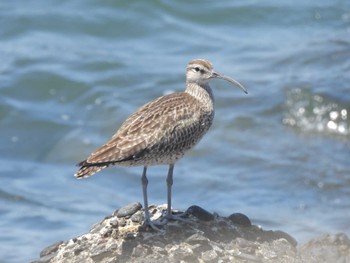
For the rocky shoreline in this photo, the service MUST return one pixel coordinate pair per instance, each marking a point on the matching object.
(201, 237)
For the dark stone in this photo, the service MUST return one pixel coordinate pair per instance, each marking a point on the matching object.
(129, 210)
(138, 217)
(240, 219)
(200, 213)
(130, 236)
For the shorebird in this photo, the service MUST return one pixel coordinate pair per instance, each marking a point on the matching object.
(161, 131)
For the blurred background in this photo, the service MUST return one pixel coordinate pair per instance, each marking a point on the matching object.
(72, 71)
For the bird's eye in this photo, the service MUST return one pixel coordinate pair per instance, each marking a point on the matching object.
(196, 69)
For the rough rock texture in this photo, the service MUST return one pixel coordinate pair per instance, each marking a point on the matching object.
(204, 237)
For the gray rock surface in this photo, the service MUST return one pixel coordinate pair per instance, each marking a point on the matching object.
(204, 237)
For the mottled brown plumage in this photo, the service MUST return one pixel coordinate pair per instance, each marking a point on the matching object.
(148, 137)
(161, 131)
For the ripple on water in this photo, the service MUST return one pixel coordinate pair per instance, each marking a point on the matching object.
(316, 113)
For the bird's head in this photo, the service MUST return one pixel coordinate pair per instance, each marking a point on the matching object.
(200, 71)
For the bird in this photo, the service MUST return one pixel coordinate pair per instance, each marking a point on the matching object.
(161, 131)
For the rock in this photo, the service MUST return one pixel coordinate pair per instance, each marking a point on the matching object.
(129, 210)
(207, 238)
(200, 213)
(138, 217)
(240, 219)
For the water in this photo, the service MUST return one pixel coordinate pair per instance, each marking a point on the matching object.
(72, 71)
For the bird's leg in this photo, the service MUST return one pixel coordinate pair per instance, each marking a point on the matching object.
(169, 215)
(169, 180)
(144, 182)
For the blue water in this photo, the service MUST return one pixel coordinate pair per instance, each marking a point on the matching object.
(72, 71)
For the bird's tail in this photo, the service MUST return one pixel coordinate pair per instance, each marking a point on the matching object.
(88, 169)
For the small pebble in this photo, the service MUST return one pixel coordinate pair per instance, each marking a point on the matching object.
(113, 222)
(240, 219)
(105, 232)
(129, 210)
(200, 213)
(122, 222)
(137, 217)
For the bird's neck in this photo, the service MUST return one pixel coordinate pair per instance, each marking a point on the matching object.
(203, 93)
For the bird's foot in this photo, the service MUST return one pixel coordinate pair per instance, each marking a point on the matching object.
(165, 219)
(176, 217)
(153, 224)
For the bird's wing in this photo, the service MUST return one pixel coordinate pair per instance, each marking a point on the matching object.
(144, 128)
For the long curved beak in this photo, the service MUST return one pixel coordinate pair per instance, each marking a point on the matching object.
(235, 82)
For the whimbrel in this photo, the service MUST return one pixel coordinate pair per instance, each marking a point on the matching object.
(161, 131)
